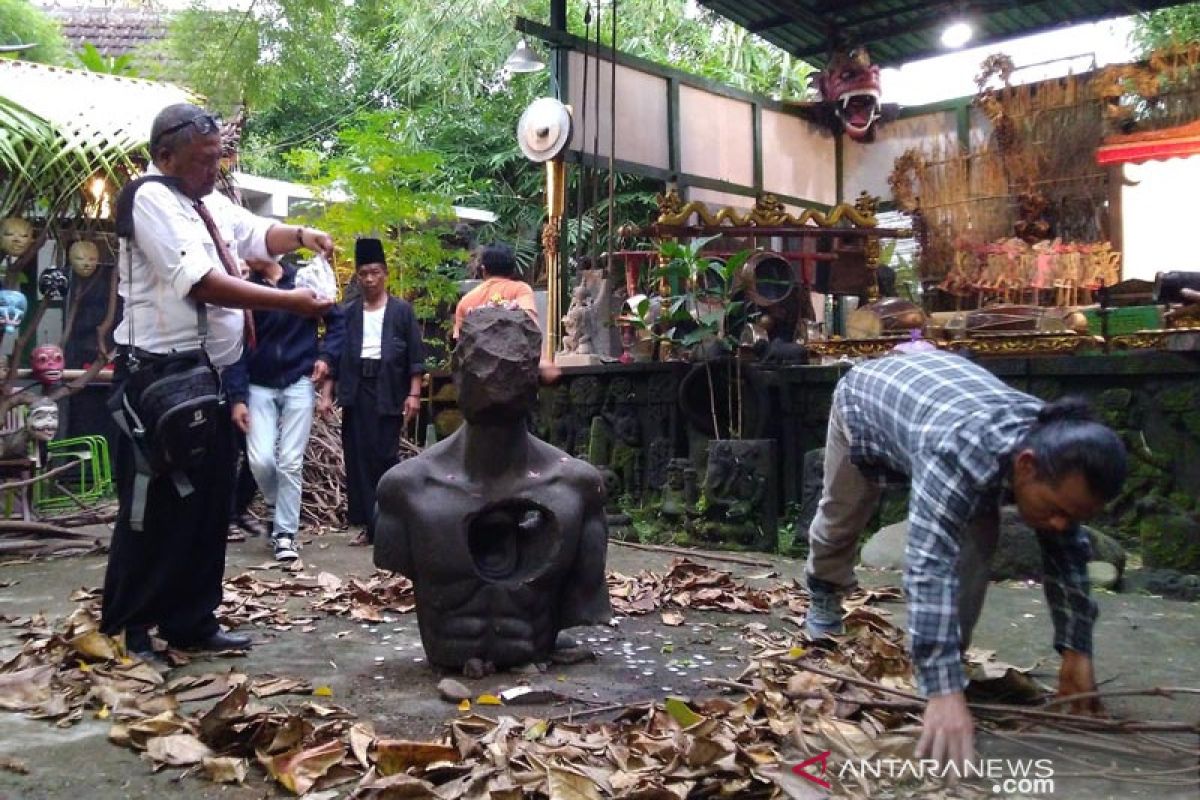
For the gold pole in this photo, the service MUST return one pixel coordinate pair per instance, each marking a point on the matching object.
(556, 199)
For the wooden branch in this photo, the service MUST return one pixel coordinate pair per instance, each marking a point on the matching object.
(1022, 712)
(41, 476)
(1168, 692)
(662, 548)
(16, 525)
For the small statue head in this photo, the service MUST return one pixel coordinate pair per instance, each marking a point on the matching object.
(47, 363)
(42, 420)
(496, 365)
(16, 235)
(84, 256)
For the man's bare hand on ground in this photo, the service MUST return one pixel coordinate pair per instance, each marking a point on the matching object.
(947, 731)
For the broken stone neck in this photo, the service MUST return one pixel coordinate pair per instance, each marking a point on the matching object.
(494, 448)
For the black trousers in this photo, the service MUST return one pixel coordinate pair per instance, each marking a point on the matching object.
(169, 574)
(371, 442)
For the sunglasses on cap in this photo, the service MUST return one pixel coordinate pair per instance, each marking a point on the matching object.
(205, 124)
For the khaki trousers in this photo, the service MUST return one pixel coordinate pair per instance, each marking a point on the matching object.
(848, 501)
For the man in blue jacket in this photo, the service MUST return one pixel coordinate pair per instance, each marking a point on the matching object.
(273, 391)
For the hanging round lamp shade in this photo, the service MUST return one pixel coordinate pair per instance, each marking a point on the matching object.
(524, 59)
(544, 129)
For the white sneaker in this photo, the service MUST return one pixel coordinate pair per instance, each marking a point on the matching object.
(285, 549)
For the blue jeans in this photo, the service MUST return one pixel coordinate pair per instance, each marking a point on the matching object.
(280, 420)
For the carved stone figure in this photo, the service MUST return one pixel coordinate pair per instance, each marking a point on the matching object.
(16, 235)
(41, 425)
(740, 490)
(84, 257)
(47, 362)
(42, 420)
(586, 323)
(576, 336)
(503, 535)
(672, 507)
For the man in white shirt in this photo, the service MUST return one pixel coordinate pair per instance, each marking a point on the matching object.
(183, 258)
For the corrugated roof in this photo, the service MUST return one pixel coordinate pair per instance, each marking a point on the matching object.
(899, 31)
(89, 106)
(114, 31)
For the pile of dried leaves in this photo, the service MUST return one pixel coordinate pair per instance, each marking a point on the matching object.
(854, 699)
(251, 599)
(687, 584)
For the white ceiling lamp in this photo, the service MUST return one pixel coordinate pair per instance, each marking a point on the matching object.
(957, 34)
(524, 59)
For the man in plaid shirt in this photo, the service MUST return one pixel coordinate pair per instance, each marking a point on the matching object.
(966, 440)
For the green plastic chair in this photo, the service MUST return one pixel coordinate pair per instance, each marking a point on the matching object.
(92, 481)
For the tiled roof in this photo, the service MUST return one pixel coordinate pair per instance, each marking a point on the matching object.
(114, 31)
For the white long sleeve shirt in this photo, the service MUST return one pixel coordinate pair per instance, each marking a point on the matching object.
(172, 252)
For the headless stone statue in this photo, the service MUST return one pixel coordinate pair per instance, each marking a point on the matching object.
(503, 535)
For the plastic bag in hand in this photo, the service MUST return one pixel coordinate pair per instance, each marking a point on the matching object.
(318, 276)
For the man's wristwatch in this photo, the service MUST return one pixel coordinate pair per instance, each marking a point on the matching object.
(300, 236)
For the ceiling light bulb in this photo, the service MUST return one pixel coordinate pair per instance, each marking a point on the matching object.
(956, 35)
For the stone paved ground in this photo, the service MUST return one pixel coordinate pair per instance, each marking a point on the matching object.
(378, 672)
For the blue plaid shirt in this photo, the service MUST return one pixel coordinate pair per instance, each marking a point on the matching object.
(951, 426)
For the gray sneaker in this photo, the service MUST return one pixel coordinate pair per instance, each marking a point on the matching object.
(285, 549)
(824, 615)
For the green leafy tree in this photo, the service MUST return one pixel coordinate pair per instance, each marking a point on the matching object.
(367, 189)
(307, 69)
(22, 23)
(1169, 26)
(93, 60)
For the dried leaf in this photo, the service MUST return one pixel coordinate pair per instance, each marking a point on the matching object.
(224, 769)
(323, 691)
(488, 700)
(95, 645)
(396, 755)
(398, 787)
(673, 618)
(10, 764)
(269, 686)
(177, 750)
(25, 689)
(298, 770)
(361, 737)
(565, 785)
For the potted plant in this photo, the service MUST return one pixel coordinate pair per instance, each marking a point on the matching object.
(702, 314)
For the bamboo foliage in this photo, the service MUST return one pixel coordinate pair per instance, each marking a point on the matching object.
(44, 176)
(43, 171)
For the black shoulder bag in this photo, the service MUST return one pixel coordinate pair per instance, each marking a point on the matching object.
(170, 404)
